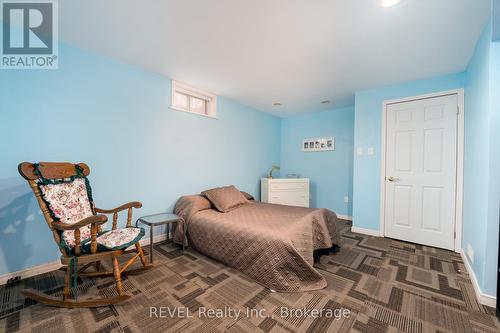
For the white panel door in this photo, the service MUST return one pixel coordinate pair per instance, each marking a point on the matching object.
(421, 159)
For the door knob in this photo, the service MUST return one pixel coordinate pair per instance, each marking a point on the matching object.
(392, 179)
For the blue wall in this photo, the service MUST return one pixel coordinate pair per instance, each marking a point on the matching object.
(116, 118)
(367, 133)
(482, 163)
(494, 191)
(330, 172)
(482, 160)
(476, 161)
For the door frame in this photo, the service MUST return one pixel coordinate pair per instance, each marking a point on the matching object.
(459, 195)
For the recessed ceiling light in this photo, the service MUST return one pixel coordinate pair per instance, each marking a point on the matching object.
(276, 104)
(326, 101)
(388, 3)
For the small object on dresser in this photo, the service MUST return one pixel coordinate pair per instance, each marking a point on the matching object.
(274, 167)
(159, 219)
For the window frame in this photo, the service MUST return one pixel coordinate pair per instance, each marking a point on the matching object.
(184, 89)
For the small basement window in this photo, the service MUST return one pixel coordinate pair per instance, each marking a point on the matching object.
(189, 99)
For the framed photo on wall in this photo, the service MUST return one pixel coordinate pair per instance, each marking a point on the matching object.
(318, 144)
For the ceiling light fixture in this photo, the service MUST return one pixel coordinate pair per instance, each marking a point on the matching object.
(276, 104)
(388, 3)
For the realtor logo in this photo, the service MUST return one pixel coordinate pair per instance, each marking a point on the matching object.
(29, 34)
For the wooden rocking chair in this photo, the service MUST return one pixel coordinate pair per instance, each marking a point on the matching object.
(64, 195)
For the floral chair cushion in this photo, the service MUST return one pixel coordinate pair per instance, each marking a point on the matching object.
(116, 239)
(69, 203)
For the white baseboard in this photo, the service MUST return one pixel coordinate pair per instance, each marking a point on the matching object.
(55, 265)
(31, 271)
(345, 217)
(158, 238)
(483, 298)
(488, 300)
(364, 231)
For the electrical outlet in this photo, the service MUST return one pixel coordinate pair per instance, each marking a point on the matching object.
(359, 151)
(346, 199)
(371, 151)
(470, 253)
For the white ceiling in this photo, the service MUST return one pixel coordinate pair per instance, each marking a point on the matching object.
(297, 52)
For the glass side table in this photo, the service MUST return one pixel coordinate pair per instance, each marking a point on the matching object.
(160, 219)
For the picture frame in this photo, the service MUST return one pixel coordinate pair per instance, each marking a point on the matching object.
(318, 144)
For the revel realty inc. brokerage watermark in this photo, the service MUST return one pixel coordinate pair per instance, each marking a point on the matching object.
(237, 313)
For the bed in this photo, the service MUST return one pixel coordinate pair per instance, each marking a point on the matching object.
(272, 244)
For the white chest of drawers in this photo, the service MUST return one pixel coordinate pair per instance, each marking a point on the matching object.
(285, 191)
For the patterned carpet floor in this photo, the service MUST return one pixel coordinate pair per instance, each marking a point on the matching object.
(374, 285)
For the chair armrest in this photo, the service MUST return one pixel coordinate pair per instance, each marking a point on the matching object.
(128, 206)
(133, 204)
(94, 219)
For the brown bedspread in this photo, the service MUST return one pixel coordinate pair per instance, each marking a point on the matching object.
(272, 244)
